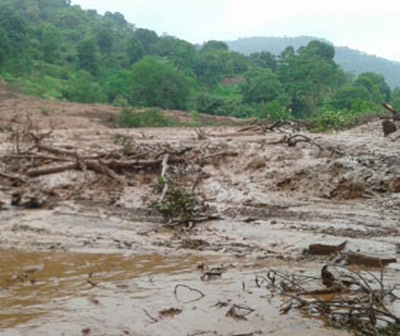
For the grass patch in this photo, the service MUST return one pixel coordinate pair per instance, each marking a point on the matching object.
(327, 119)
(45, 111)
(150, 118)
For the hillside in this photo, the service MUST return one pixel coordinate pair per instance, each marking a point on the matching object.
(350, 60)
(58, 51)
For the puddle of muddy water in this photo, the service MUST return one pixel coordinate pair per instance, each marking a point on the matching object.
(79, 294)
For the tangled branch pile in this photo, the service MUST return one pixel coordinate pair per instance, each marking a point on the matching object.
(353, 300)
(33, 157)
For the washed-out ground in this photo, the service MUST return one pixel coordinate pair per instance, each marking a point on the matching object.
(95, 259)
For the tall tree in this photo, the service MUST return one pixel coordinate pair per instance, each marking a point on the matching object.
(156, 83)
(50, 42)
(134, 49)
(87, 55)
(376, 86)
(5, 46)
(261, 86)
(105, 39)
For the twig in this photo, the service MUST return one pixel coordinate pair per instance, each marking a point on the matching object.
(149, 316)
(164, 168)
(191, 289)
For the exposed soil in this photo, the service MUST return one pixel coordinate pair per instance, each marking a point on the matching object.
(272, 201)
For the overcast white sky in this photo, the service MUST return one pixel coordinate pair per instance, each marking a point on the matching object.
(367, 25)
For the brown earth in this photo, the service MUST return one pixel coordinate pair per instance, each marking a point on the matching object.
(272, 200)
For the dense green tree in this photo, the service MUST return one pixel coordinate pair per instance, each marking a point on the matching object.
(263, 59)
(261, 86)
(116, 18)
(83, 89)
(395, 99)
(50, 41)
(184, 56)
(87, 55)
(165, 45)
(154, 82)
(345, 97)
(105, 39)
(215, 46)
(61, 51)
(134, 49)
(147, 37)
(212, 66)
(309, 76)
(116, 86)
(319, 49)
(287, 53)
(5, 46)
(376, 86)
(15, 26)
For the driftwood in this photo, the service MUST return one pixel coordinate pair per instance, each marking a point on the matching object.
(395, 114)
(323, 249)
(361, 259)
(360, 301)
(164, 168)
(50, 170)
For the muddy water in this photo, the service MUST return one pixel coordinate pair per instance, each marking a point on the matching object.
(87, 294)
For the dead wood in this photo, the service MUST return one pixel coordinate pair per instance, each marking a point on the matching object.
(359, 300)
(392, 110)
(239, 312)
(360, 259)
(293, 140)
(12, 177)
(50, 170)
(164, 168)
(220, 154)
(324, 249)
(153, 319)
(37, 157)
(101, 168)
(55, 150)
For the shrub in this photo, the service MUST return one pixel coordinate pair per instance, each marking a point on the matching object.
(178, 204)
(150, 118)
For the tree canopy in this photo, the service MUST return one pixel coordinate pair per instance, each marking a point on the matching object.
(57, 50)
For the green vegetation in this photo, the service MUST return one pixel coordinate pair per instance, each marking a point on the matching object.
(350, 60)
(55, 50)
(178, 204)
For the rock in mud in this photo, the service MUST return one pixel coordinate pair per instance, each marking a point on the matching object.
(389, 127)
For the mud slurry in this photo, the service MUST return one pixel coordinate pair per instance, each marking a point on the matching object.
(273, 201)
(77, 294)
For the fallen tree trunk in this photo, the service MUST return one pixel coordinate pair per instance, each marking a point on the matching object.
(51, 170)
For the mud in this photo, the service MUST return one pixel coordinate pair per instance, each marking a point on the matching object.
(273, 201)
(77, 294)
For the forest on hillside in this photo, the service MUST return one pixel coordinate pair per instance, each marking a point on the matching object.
(54, 50)
(350, 60)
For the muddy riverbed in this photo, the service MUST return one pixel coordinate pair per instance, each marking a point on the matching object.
(95, 258)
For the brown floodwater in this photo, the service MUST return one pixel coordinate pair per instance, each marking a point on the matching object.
(88, 294)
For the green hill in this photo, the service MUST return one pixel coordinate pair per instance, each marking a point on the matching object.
(350, 60)
(54, 50)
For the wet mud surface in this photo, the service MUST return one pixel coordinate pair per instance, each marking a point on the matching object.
(78, 294)
(95, 254)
